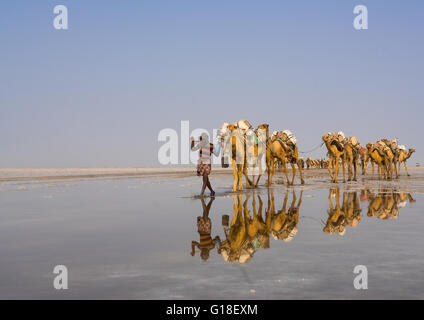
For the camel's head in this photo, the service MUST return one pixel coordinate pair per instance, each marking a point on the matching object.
(335, 229)
(411, 150)
(369, 146)
(326, 137)
(224, 131)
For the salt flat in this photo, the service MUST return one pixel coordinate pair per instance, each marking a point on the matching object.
(129, 237)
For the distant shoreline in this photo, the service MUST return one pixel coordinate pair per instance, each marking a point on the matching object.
(30, 174)
(33, 174)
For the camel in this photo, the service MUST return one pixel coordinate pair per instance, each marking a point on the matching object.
(233, 139)
(351, 156)
(308, 163)
(284, 223)
(391, 155)
(335, 153)
(336, 222)
(281, 148)
(364, 158)
(236, 236)
(378, 159)
(246, 232)
(258, 230)
(256, 144)
(402, 157)
(348, 215)
(352, 208)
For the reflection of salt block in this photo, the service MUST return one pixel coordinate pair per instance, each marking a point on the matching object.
(225, 220)
(402, 204)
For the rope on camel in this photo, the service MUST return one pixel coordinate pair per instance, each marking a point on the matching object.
(319, 146)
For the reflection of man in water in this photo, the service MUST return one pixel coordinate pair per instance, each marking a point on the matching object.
(204, 227)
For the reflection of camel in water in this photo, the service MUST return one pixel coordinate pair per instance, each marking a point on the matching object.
(341, 217)
(250, 231)
(386, 203)
(284, 224)
(204, 227)
(235, 237)
(246, 232)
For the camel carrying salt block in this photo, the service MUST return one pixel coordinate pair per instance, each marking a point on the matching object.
(290, 136)
(402, 147)
(244, 125)
(353, 141)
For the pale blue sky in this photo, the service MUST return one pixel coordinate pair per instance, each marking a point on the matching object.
(99, 93)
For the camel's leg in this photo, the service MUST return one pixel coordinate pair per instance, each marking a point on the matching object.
(330, 203)
(349, 170)
(366, 166)
(253, 173)
(294, 172)
(260, 171)
(248, 182)
(395, 169)
(406, 169)
(299, 166)
(355, 168)
(336, 171)
(330, 169)
(344, 169)
(372, 164)
(268, 169)
(381, 172)
(285, 171)
(239, 172)
(235, 175)
(399, 168)
(233, 221)
(273, 163)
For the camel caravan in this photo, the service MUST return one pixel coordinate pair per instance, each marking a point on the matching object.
(251, 151)
(250, 148)
(348, 152)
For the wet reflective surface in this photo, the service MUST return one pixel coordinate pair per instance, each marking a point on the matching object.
(151, 238)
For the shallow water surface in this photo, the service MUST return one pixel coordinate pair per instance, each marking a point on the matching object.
(132, 239)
